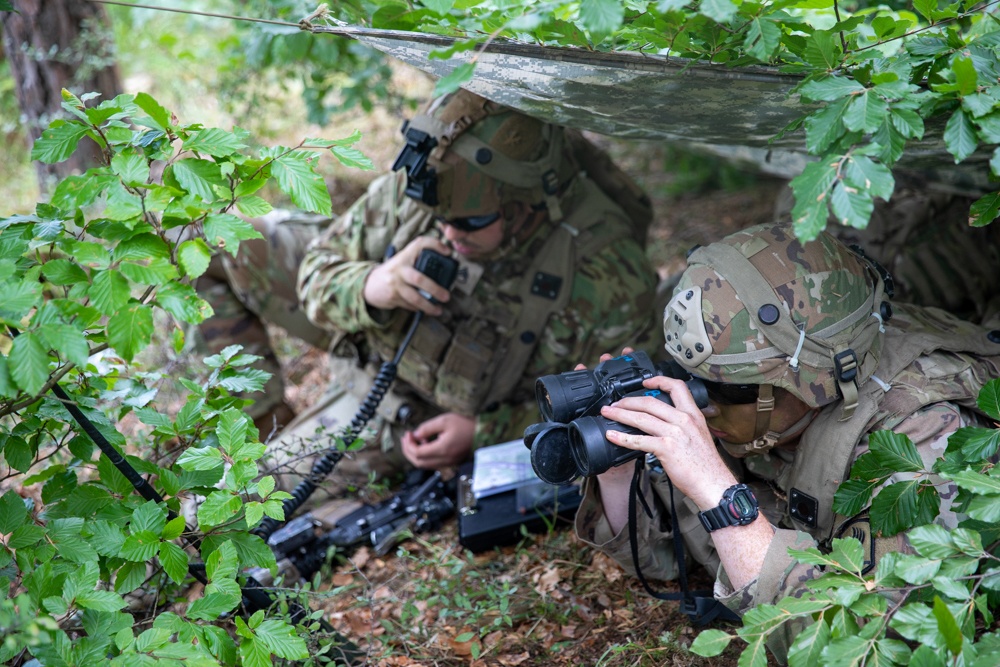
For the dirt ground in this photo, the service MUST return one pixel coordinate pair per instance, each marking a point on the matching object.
(569, 606)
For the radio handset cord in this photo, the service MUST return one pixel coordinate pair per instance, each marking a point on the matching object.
(442, 270)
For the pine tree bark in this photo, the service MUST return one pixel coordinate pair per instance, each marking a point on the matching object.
(56, 44)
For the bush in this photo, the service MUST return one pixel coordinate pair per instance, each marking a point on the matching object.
(89, 569)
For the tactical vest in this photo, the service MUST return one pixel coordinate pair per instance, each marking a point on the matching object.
(826, 450)
(473, 357)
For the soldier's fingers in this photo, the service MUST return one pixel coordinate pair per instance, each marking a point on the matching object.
(425, 283)
(680, 395)
(637, 415)
(414, 300)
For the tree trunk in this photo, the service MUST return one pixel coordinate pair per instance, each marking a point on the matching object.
(56, 44)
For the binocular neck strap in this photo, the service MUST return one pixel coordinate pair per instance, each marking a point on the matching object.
(700, 606)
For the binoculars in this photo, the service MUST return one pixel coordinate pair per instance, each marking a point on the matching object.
(572, 440)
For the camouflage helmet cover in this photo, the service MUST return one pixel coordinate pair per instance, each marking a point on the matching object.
(486, 154)
(760, 307)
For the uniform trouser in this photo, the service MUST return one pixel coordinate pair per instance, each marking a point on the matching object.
(258, 286)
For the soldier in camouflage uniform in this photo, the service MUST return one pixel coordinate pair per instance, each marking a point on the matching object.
(551, 269)
(803, 359)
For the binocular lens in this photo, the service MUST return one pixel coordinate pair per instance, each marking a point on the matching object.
(551, 456)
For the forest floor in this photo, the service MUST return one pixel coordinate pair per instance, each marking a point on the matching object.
(548, 600)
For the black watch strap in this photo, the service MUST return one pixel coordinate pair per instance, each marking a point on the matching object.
(737, 508)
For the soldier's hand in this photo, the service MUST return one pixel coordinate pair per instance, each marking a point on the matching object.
(395, 283)
(678, 436)
(440, 442)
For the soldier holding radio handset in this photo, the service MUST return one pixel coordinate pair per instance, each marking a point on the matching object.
(545, 237)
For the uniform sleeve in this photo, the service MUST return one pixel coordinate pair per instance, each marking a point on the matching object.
(332, 276)
(783, 576)
(611, 306)
(656, 552)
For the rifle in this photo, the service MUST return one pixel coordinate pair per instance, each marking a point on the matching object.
(303, 545)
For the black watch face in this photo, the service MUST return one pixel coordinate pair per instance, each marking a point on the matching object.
(743, 505)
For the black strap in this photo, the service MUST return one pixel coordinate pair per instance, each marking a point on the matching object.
(699, 605)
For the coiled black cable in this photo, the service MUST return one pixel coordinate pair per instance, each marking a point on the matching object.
(326, 463)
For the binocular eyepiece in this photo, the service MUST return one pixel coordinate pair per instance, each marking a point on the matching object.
(572, 441)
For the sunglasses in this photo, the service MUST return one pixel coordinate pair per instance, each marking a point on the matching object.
(731, 394)
(471, 224)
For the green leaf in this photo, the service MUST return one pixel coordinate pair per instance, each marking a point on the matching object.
(870, 176)
(183, 302)
(193, 256)
(763, 38)
(826, 126)
(809, 644)
(27, 535)
(985, 209)
(984, 508)
(454, 80)
(63, 272)
(140, 248)
(107, 538)
(709, 643)
(853, 496)
(174, 528)
(214, 141)
(851, 206)
(223, 562)
(17, 298)
(66, 340)
(253, 206)
(174, 561)
(948, 626)
(140, 546)
(212, 606)
(298, 179)
(439, 7)
(895, 451)
(822, 51)
(281, 639)
(907, 122)
(226, 231)
(131, 330)
(976, 482)
(931, 541)
(58, 142)
(12, 512)
(830, 88)
(219, 507)
(925, 7)
(811, 189)
(265, 486)
(865, 112)
(157, 113)
(721, 11)
(155, 272)
(989, 399)
(902, 505)
(200, 458)
(100, 600)
(254, 512)
(149, 516)
(601, 17)
(28, 363)
(960, 136)
(199, 177)
(253, 653)
(976, 443)
(131, 166)
(352, 157)
(232, 430)
(965, 75)
(109, 291)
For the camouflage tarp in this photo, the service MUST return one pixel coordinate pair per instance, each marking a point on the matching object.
(730, 111)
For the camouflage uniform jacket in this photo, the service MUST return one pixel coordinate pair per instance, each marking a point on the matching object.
(452, 359)
(929, 399)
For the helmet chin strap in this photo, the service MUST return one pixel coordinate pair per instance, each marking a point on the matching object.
(764, 439)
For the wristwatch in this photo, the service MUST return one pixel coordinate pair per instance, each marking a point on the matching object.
(737, 508)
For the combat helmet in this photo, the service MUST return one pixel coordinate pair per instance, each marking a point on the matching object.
(762, 308)
(466, 157)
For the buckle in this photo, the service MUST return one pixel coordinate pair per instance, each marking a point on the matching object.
(845, 365)
(550, 182)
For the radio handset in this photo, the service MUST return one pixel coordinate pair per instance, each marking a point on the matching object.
(440, 268)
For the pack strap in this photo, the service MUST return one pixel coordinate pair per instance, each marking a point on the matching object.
(698, 605)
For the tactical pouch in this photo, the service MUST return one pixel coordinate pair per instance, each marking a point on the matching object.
(465, 370)
(419, 366)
